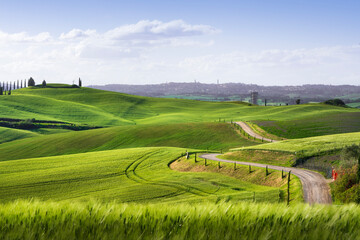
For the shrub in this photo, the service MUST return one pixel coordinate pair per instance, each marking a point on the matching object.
(335, 102)
(346, 187)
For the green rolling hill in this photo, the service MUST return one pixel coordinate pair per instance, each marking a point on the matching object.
(212, 136)
(10, 134)
(312, 145)
(61, 164)
(104, 108)
(126, 175)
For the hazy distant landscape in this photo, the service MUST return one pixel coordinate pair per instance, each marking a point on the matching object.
(241, 92)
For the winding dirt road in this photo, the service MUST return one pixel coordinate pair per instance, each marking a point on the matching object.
(249, 131)
(315, 187)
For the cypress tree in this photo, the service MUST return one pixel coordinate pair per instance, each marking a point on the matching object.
(31, 82)
(1, 91)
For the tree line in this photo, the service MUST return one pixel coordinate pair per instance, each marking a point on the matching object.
(7, 87)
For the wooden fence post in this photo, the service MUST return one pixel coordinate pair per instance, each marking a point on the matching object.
(249, 168)
(267, 171)
(288, 189)
(195, 157)
(234, 165)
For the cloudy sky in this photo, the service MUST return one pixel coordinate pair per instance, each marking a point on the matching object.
(268, 42)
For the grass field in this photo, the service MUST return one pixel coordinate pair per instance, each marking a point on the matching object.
(313, 126)
(104, 108)
(279, 158)
(128, 175)
(354, 105)
(8, 134)
(129, 179)
(212, 136)
(91, 220)
(256, 176)
(311, 146)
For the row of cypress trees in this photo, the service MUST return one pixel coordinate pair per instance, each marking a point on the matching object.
(6, 87)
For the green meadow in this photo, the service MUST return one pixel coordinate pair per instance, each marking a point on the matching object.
(310, 146)
(9, 134)
(126, 175)
(206, 136)
(129, 178)
(104, 108)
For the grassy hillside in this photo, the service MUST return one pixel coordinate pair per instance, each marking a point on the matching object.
(45, 108)
(128, 175)
(314, 125)
(312, 145)
(212, 136)
(9, 134)
(97, 107)
(256, 176)
(65, 220)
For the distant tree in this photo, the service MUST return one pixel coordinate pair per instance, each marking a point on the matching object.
(80, 82)
(336, 102)
(20, 83)
(43, 83)
(31, 82)
(1, 91)
(9, 92)
(17, 84)
(297, 101)
(265, 102)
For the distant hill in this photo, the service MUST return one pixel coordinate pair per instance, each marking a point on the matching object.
(228, 91)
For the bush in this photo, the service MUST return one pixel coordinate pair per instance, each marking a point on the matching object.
(349, 156)
(346, 187)
(335, 102)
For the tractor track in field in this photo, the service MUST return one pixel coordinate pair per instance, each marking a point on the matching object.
(131, 173)
(315, 188)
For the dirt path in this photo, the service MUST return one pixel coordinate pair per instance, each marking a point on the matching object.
(315, 187)
(249, 131)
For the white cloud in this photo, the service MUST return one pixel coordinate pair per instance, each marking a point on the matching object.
(151, 30)
(77, 34)
(24, 37)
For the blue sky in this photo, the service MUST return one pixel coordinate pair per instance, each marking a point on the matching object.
(136, 42)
